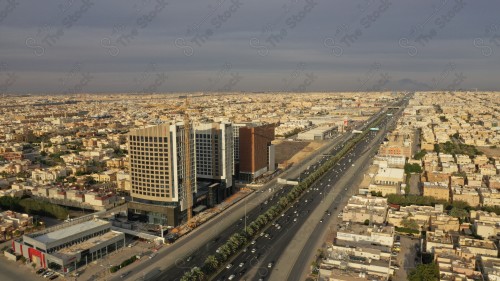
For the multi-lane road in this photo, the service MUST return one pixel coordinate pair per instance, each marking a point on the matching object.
(191, 250)
(258, 262)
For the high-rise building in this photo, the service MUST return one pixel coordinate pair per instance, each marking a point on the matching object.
(214, 159)
(256, 153)
(157, 172)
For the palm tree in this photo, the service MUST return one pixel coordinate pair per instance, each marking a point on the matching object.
(197, 274)
(212, 263)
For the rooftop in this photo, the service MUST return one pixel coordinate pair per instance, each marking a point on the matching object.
(72, 250)
(69, 231)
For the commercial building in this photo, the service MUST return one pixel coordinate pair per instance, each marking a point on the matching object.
(318, 133)
(214, 159)
(158, 173)
(67, 247)
(256, 153)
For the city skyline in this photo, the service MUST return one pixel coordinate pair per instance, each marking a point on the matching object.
(222, 46)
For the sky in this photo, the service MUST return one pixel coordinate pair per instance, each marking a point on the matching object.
(155, 46)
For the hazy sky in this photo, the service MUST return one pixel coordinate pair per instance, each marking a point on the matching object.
(67, 46)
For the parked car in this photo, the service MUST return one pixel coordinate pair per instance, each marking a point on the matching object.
(40, 271)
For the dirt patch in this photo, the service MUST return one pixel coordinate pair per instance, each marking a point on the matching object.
(294, 151)
(490, 152)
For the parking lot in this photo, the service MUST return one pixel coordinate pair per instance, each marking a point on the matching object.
(100, 268)
(405, 259)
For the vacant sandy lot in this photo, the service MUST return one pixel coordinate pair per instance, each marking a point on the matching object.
(294, 151)
(490, 152)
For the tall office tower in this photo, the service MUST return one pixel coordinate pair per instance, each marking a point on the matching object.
(256, 153)
(214, 160)
(236, 143)
(157, 172)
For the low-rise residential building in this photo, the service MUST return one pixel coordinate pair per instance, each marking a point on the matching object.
(376, 234)
(362, 208)
(466, 194)
(478, 247)
(438, 239)
(490, 267)
(444, 222)
(437, 190)
(454, 265)
(420, 214)
(489, 196)
(494, 182)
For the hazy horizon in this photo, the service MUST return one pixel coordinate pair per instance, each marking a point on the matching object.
(149, 46)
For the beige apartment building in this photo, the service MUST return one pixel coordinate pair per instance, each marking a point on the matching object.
(466, 194)
(437, 190)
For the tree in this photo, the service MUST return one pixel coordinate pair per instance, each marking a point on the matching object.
(367, 222)
(410, 223)
(89, 181)
(419, 155)
(437, 148)
(424, 272)
(211, 263)
(413, 168)
(459, 213)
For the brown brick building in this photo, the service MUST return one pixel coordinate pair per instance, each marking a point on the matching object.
(256, 153)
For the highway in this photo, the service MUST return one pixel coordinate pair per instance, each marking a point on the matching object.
(269, 249)
(259, 261)
(191, 250)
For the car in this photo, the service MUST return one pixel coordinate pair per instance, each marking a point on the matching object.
(231, 277)
(189, 258)
(241, 264)
(253, 251)
(321, 220)
(245, 250)
(125, 274)
(40, 271)
(253, 242)
(261, 234)
(267, 235)
(269, 265)
(229, 265)
(152, 255)
(48, 274)
(294, 219)
(53, 277)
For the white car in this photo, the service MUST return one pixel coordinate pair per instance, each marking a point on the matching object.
(241, 264)
(229, 266)
(253, 251)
